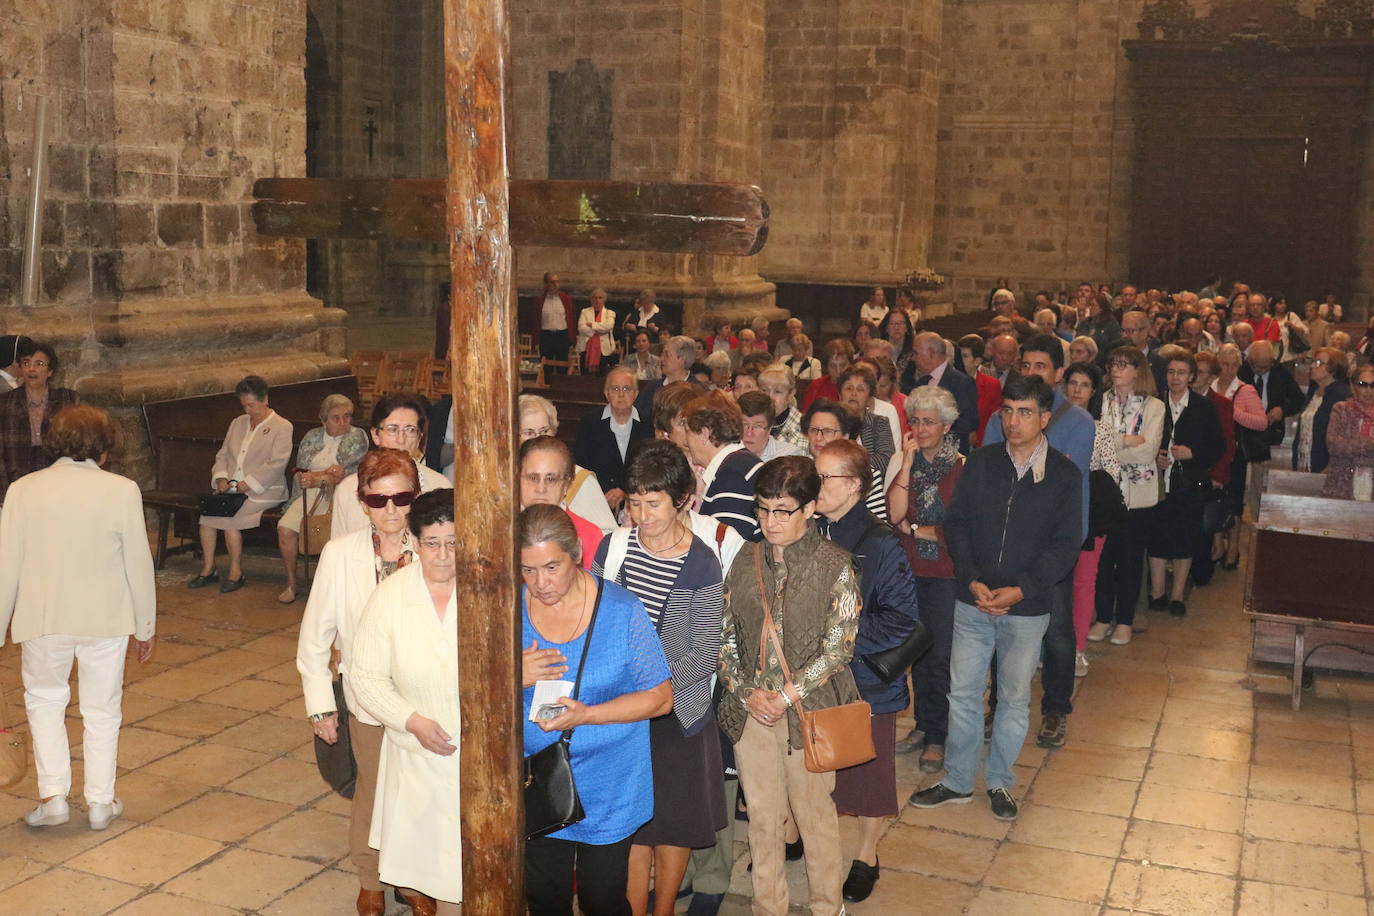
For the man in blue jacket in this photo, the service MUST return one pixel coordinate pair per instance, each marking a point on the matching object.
(1071, 431)
(1014, 529)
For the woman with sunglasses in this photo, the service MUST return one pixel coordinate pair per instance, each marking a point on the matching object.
(351, 567)
(1350, 438)
(1327, 388)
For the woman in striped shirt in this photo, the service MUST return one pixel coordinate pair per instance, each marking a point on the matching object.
(678, 578)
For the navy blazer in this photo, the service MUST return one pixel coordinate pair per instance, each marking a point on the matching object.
(597, 451)
(965, 391)
(1199, 428)
(1336, 392)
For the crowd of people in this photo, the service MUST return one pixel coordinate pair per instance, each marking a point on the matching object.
(743, 536)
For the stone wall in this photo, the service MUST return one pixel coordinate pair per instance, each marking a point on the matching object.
(1034, 134)
(161, 115)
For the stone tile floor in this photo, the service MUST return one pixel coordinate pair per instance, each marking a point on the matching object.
(1188, 786)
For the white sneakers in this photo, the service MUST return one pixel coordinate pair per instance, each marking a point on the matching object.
(1080, 665)
(57, 811)
(101, 815)
(1121, 635)
(49, 813)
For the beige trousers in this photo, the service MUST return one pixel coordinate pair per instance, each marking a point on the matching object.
(774, 779)
(367, 752)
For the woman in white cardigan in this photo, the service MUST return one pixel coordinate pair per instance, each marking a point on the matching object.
(596, 330)
(1132, 414)
(252, 460)
(76, 580)
(351, 567)
(405, 673)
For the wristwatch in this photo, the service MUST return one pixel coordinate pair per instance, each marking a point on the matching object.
(321, 716)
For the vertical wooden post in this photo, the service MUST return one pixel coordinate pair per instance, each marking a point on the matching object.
(476, 48)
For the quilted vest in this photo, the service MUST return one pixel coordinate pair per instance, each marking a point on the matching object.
(813, 565)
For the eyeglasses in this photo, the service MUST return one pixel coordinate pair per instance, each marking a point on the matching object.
(1120, 364)
(1364, 384)
(824, 477)
(35, 363)
(621, 389)
(829, 432)
(778, 515)
(548, 480)
(400, 500)
(532, 433)
(435, 543)
(395, 430)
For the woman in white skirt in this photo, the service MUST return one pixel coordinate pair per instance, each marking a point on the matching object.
(252, 460)
(405, 674)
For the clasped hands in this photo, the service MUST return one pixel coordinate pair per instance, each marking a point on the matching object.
(766, 706)
(995, 601)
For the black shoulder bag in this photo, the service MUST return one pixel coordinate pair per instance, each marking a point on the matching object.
(335, 761)
(890, 664)
(551, 801)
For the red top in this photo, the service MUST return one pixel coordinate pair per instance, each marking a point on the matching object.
(942, 568)
(1265, 327)
(823, 387)
(711, 344)
(589, 535)
(1221, 471)
(989, 401)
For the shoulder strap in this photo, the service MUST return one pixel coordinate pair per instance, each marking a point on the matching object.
(617, 545)
(770, 630)
(586, 644)
(578, 479)
(722, 530)
(1054, 417)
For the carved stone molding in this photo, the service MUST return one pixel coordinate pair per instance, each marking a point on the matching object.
(1242, 21)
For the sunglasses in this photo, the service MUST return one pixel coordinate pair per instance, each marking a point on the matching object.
(1364, 384)
(400, 500)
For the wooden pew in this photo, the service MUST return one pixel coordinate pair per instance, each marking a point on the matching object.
(186, 433)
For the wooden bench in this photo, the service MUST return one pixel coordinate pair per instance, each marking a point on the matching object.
(185, 434)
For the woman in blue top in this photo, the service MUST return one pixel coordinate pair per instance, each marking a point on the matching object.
(678, 578)
(624, 683)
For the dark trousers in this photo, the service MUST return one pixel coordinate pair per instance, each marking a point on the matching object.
(1121, 567)
(1058, 652)
(554, 345)
(601, 876)
(930, 676)
(1056, 673)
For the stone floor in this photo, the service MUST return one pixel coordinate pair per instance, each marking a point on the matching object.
(1188, 786)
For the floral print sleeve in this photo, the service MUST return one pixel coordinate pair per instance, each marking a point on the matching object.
(837, 647)
(731, 672)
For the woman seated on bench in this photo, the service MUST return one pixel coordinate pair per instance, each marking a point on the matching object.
(252, 461)
(327, 454)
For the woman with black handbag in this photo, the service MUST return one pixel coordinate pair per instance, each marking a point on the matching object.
(1251, 444)
(1191, 443)
(594, 674)
(350, 569)
(887, 622)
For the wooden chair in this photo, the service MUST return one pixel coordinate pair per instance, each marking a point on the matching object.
(368, 366)
(407, 371)
(526, 348)
(571, 365)
(438, 378)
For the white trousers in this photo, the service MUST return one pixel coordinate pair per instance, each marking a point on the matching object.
(47, 668)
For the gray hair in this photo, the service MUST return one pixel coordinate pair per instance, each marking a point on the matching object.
(718, 360)
(779, 372)
(532, 403)
(333, 403)
(1088, 344)
(934, 399)
(685, 348)
(929, 342)
(542, 523)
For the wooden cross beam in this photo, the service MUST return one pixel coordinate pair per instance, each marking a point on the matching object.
(481, 214)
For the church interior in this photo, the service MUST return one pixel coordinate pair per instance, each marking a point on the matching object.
(954, 147)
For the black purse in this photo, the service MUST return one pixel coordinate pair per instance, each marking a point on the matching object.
(335, 761)
(1252, 444)
(891, 664)
(551, 801)
(221, 505)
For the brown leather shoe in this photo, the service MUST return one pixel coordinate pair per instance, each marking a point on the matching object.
(420, 905)
(371, 903)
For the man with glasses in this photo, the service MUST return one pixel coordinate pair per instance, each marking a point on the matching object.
(675, 363)
(604, 436)
(398, 421)
(1135, 331)
(546, 470)
(1014, 528)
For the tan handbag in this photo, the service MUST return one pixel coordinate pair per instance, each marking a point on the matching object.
(315, 529)
(834, 737)
(14, 752)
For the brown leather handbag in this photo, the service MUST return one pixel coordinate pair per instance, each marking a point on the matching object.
(834, 737)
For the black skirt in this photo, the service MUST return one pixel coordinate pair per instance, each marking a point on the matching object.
(689, 786)
(1176, 525)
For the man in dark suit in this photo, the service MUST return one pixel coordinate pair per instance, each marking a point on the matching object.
(1278, 390)
(931, 366)
(604, 436)
(676, 360)
(1135, 330)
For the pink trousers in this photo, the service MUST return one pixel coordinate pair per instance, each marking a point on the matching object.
(1085, 590)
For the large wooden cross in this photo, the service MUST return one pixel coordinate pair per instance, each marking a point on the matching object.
(481, 213)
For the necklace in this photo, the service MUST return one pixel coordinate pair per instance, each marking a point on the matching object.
(582, 611)
(34, 405)
(671, 547)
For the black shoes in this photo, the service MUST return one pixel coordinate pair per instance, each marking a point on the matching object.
(232, 585)
(1158, 604)
(1054, 731)
(202, 581)
(859, 884)
(938, 795)
(1178, 608)
(795, 850)
(1003, 805)
(705, 904)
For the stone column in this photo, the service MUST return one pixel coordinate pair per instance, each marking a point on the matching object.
(162, 114)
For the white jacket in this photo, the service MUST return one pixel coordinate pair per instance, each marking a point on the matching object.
(74, 557)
